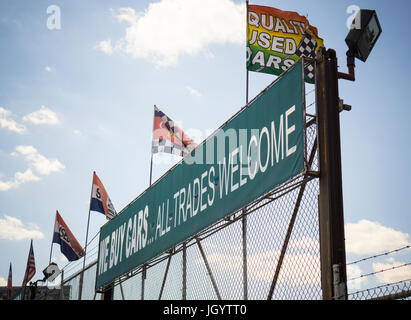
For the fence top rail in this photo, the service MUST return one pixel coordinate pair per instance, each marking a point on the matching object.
(76, 274)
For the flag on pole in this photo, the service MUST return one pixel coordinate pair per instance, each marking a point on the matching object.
(168, 137)
(100, 201)
(9, 284)
(276, 39)
(306, 48)
(31, 266)
(69, 246)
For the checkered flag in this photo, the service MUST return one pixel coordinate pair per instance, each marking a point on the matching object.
(306, 48)
(168, 137)
(167, 146)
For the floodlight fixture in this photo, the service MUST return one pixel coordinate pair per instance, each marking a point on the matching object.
(51, 272)
(364, 32)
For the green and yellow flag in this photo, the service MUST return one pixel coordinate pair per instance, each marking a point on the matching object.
(276, 39)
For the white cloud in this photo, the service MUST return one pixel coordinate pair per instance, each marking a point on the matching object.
(170, 28)
(391, 276)
(13, 229)
(76, 131)
(3, 282)
(40, 163)
(42, 116)
(193, 92)
(105, 46)
(48, 69)
(368, 237)
(43, 165)
(355, 272)
(19, 178)
(8, 123)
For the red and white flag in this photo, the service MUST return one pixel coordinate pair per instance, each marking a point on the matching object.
(100, 201)
(69, 246)
(31, 266)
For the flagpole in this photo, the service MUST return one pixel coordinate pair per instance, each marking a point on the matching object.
(151, 163)
(26, 273)
(151, 166)
(85, 246)
(88, 222)
(143, 274)
(51, 247)
(52, 237)
(246, 35)
(244, 218)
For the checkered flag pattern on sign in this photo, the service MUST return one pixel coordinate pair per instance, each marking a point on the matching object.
(307, 48)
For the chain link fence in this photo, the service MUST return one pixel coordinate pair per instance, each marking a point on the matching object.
(394, 291)
(269, 249)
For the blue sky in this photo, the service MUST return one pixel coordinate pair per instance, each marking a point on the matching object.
(80, 99)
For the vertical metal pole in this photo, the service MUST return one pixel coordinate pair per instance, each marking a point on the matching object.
(85, 246)
(331, 213)
(51, 247)
(143, 274)
(151, 168)
(62, 285)
(52, 237)
(80, 286)
(108, 293)
(143, 278)
(151, 163)
(245, 278)
(184, 291)
(246, 41)
(244, 218)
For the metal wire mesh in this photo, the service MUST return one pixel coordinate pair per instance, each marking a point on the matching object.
(215, 259)
(281, 258)
(394, 291)
(219, 272)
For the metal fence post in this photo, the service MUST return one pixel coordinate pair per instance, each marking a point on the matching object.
(184, 291)
(331, 213)
(62, 285)
(143, 278)
(80, 288)
(245, 279)
(108, 292)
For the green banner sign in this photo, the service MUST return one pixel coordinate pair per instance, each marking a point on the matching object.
(259, 148)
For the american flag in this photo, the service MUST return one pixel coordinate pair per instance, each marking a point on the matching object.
(31, 266)
(9, 285)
